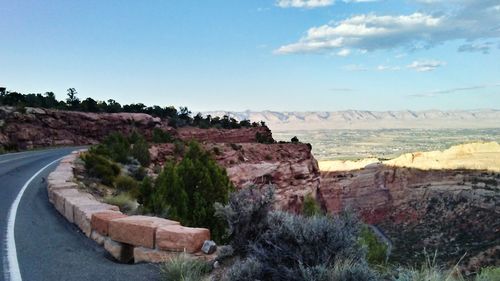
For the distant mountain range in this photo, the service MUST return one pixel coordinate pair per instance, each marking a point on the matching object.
(363, 119)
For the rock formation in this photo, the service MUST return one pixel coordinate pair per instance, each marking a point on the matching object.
(290, 167)
(43, 128)
(453, 210)
(243, 135)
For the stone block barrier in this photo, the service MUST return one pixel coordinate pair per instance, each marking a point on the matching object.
(127, 238)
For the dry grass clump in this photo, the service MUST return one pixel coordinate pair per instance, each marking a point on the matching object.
(185, 268)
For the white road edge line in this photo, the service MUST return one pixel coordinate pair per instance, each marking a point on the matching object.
(13, 273)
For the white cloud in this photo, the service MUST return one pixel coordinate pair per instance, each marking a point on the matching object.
(426, 65)
(359, 1)
(461, 20)
(456, 90)
(388, 68)
(483, 47)
(344, 52)
(355, 67)
(309, 4)
(304, 3)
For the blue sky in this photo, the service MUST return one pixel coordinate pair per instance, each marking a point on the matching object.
(288, 55)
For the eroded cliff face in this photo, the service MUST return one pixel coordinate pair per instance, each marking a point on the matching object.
(290, 167)
(453, 211)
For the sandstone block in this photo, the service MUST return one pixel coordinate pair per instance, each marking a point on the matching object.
(83, 215)
(59, 198)
(53, 186)
(64, 169)
(98, 238)
(142, 254)
(61, 185)
(61, 176)
(180, 238)
(100, 221)
(69, 159)
(137, 230)
(73, 200)
(121, 252)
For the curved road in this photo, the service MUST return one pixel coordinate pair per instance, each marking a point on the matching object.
(48, 247)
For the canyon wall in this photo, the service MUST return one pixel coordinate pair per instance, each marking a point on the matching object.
(452, 210)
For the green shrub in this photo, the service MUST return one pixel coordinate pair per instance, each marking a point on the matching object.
(235, 146)
(246, 216)
(184, 268)
(138, 173)
(179, 148)
(489, 274)
(429, 271)
(377, 250)
(115, 146)
(140, 151)
(123, 200)
(126, 183)
(100, 167)
(311, 207)
(245, 270)
(145, 191)
(298, 248)
(217, 151)
(160, 136)
(264, 138)
(134, 137)
(187, 191)
(341, 270)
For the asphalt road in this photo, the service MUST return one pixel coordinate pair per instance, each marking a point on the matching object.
(48, 247)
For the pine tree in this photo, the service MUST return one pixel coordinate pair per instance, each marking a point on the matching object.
(187, 191)
(140, 151)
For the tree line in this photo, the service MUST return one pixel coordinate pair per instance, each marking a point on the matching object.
(177, 117)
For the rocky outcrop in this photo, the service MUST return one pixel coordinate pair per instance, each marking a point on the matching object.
(43, 128)
(454, 211)
(243, 135)
(290, 167)
(38, 127)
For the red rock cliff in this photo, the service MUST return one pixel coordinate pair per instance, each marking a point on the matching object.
(243, 135)
(451, 211)
(290, 167)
